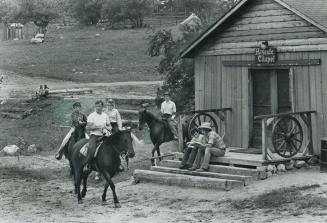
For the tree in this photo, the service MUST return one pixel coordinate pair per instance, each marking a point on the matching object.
(8, 10)
(137, 10)
(114, 11)
(87, 12)
(179, 73)
(41, 12)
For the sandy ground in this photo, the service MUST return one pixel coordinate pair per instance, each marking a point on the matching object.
(38, 189)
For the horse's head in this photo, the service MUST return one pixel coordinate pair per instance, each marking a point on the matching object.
(126, 143)
(142, 118)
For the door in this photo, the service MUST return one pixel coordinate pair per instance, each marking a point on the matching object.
(270, 95)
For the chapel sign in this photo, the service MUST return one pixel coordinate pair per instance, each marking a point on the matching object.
(265, 56)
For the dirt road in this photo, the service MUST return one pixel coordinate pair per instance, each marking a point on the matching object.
(18, 86)
(40, 190)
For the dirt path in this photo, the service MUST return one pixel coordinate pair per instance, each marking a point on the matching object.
(39, 190)
(17, 86)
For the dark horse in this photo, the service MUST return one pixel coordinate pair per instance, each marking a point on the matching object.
(78, 134)
(159, 130)
(107, 162)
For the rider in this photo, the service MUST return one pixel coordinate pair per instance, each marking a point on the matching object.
(114, 116)
(98, 124)
(168, 110)
(78, 119)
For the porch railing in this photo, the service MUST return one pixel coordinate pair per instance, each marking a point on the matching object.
(286, 131)
(196, 117)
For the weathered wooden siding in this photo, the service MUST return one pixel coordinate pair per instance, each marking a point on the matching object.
(266, 19)
(218, 86)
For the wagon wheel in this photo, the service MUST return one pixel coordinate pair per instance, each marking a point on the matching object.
(197, 120)
(287, 136)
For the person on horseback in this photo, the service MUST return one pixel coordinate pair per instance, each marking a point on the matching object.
(114, 115)
(168, 110)
(78, 120)
(214, 146)
(98, 124)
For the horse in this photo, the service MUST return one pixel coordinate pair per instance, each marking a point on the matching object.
(107, 162)
(159, 130)
(77, 135)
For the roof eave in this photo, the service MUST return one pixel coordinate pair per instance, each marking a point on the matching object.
(187, 50)
(303, 16)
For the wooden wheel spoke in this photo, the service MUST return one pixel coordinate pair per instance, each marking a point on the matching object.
(292, 130)
(199, 120)
(293, 146)
(205, 118)
(296, 139)
(296, 133)
(281, 145)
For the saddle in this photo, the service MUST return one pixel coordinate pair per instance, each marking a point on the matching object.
(84, 149)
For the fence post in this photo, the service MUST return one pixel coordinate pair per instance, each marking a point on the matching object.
(264, 139)
(180, 134)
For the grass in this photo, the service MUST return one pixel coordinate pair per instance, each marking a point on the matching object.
(77, 54)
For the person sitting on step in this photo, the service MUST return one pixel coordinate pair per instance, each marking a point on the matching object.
(214, 146)
(78, 120)
(192, 148)
(168, 110)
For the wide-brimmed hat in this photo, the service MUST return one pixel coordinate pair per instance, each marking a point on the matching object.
(205, 125)
(166, 93)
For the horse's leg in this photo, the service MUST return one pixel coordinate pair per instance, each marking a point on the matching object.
(78, 178)
(158, 152)
(86, 174)
(112, 186)
(153, 151)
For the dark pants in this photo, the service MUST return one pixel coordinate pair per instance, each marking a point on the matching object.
(189, 156)
(171, 124)
(92, 146)
(114, 126)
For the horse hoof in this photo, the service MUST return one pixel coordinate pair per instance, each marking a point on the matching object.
(117, 205)
(80, 201)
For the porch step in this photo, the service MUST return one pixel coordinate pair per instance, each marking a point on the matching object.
(231, 158)
(255, 173)
(245, 179)
(185, 180)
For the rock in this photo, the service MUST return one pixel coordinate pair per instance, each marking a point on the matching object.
(11, 150)
(272, 168)
(269, 174)
(290, 165)
(32, 148)
(281, 168)
(97, 35)
(299, 164)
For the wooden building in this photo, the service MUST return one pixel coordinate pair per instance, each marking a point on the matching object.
(261, 59)
(13, 31)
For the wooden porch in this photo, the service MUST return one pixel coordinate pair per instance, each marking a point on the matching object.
(249, 160)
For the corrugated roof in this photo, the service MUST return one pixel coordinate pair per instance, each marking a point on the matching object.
(314, 9)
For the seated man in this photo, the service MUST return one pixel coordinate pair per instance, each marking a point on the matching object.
(215, 146)
(168, 110)
(192, 148)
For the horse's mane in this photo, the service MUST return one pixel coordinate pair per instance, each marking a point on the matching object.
(152, 116)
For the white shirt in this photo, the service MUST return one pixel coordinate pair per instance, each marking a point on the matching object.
(99, 120)
(168, 107)
(114, 116)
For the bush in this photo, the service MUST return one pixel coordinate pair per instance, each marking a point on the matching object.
(87, 12)
(179, 72)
